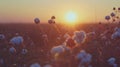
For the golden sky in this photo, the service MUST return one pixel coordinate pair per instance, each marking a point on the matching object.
(27, 10)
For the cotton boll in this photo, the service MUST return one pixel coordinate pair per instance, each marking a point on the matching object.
(24, 51)
(85, 58)
(12, 50)
(51, 21)
(65, 47)
(47, 65)
(58, 52)
(35, 65)
(107, 17)
(115, 35)
(81, 54)
(117, 29)
(18, 40)
(112, 14)
(111, 61)
(57, 49)
(36, 20)
(79, 37)
(53, 17)
(2, 36)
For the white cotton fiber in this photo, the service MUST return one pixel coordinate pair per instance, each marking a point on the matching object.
(57, 49)
(85, 58)
(81, 54)
(79, 37)
(18, 40)
(116, 34)
(111, 60)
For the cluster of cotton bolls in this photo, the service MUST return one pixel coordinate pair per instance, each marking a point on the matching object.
(116, 34)
(85, 59)
(111, 61)
(69, 43)
(78, 38)
(2, 36)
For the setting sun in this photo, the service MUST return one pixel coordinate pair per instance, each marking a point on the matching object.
(71, 17)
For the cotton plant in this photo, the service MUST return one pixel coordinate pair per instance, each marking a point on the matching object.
(84, 59)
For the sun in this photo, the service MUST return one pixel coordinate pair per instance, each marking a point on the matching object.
(71, 17)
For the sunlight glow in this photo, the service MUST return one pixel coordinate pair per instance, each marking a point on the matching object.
(71, 17)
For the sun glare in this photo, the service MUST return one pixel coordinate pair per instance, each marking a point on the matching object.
(71, 17)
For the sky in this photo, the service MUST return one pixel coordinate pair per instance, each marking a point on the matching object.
(26, 10)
